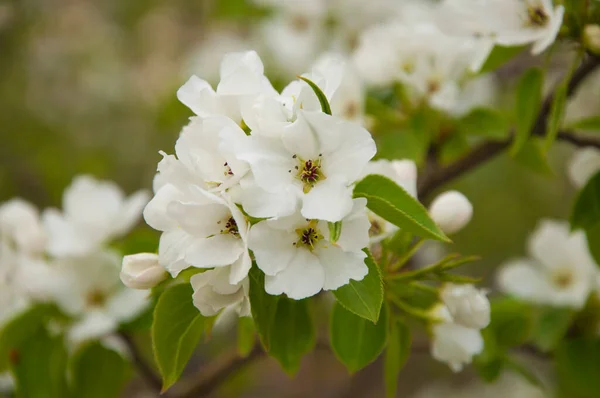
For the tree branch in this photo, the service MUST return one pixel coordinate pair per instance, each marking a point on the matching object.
(490, 149)
(215, 375)
(145, 371)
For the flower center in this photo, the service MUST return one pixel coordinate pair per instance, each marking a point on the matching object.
(230, 227)
(376, 228)
(308, 236)
(563, 278)
(227, 171)
(309, 172)
(96, 298)
(536, 15)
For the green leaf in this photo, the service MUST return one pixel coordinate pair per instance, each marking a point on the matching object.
(335, 230)
(364, 297)
(533, 156)
(263, 306)
(325, 107)
(528, 103)
(578, 368)
(285, 327)
(356, 341)
(39, 367)
(396, 355)
(522, 370)
(489, 370)
(551, 327)
(453, 148)
(511, 322)
(391, 202)
(557, 112)
(586, 211)
(176, 331)
(292, 333)
(246, 336)
(587, 124)
(593, 241)
(98, 372)
(484, 122)
(19, 329)
(499, 56)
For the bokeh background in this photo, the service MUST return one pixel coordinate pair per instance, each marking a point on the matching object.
(89, 87)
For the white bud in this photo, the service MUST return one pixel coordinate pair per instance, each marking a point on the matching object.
(142, 271)
(468, 305)
(591, 38)
(455, 344)
(451, 211)
(584, 164)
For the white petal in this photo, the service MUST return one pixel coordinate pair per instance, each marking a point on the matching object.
(583, 165)
(547, 243)
(455, 344)
(355, 227)
(93, 325)
(127, 304)
(303, 277)
(525, 280)
(341, 266)
(216, 251)
(64, 238)
(131, 212)
(273, 249)
(171, 250)
(240, 268)
(155, 212)
(329, 200)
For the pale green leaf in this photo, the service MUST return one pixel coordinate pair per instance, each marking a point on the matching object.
(484, 122)
(533, 156)
(98, 372)
(551, 326)
(39, 367)
(396, 355)
(528, 103)
(578, 368)
(263, 306)
(557, 112)
(176, 331)
(246, 336)
(499, 56)
(335, 230)
(391, 202)
(588, 124)
(356, 341)
(364, 297)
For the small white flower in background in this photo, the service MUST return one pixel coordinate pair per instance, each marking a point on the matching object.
(20, 226)
(584, 164)
(403, 173)
(503, 22)
(453, 343)
(559, 271)
(6, 382)
(432, 65)
(213, 293)
(467, 305)
(89, 289)
(315, 161)
(451, 211)
(242, 77)
(298, 258)
(94, 213)
(142, 271)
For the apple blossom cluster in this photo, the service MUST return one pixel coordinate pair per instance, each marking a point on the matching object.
(62, 257)
(464, 311)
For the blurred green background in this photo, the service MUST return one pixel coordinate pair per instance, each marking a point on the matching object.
(89, 87)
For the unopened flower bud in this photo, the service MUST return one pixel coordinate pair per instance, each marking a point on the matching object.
(591, 38)
(468, 305)
(142, 271)
(451, 211)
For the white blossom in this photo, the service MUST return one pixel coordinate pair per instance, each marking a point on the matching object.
(584, 164)
(559, 271)
(503, 22)
(142, 271)
(451, 211)
(242, 78)
(94, 212)
(467, 305)
(298, 258)
(314, 161)
(20, 226)
(213, 293)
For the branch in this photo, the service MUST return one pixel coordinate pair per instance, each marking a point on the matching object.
(145, 371)
(213, 376)
(490, 149)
